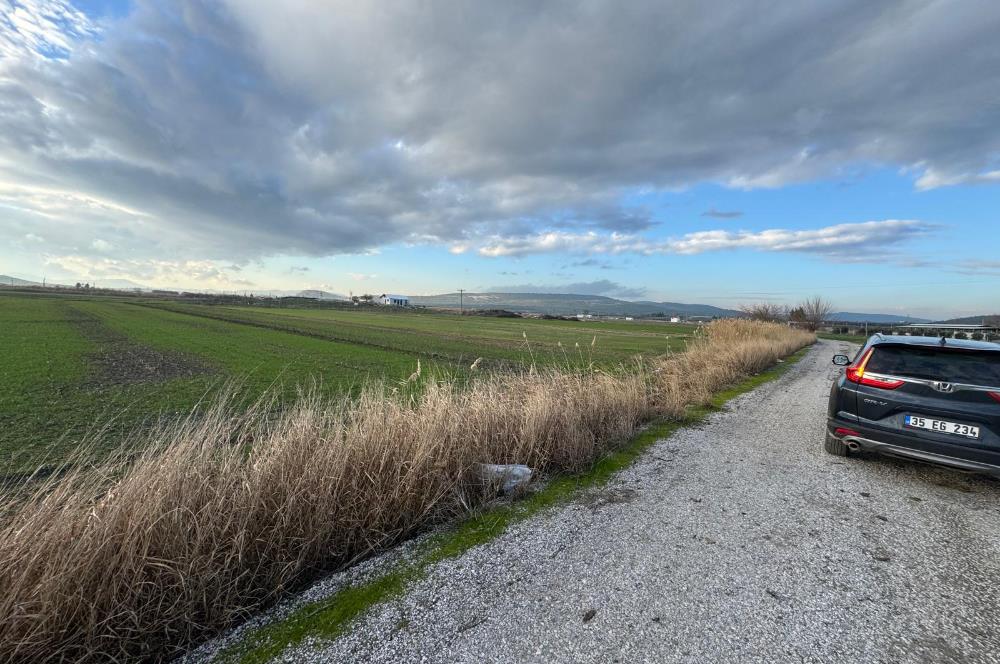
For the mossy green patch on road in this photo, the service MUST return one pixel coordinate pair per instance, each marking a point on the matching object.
(326, 619)
(329, 618)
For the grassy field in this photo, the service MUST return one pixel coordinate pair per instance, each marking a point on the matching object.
(73, 365)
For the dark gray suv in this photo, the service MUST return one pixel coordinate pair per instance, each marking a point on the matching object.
(925, 398)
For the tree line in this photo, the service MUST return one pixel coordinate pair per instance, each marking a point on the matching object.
(809, 314)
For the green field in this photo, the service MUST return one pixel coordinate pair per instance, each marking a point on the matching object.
(851, 338)
(73, 365)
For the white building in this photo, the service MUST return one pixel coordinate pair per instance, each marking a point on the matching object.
(394, 300)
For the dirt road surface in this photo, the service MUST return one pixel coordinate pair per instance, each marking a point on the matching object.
(736, 541)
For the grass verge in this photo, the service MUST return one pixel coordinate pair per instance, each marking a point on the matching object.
(331, 617)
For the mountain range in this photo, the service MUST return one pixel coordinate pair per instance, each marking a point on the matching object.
(976, 320)
(558, 304)
(567, 304)
(14, 281)
(847, 317)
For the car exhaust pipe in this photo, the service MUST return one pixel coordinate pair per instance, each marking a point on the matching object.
(852, 444)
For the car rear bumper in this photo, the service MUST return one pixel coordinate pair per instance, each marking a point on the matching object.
(892, 444)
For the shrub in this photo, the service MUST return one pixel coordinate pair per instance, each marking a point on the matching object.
(767, 312)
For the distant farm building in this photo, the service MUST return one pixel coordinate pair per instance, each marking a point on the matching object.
(394, 300)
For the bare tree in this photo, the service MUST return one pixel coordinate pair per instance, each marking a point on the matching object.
(811, 313)
(764, 311)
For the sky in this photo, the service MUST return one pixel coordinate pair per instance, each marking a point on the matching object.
(689, 151)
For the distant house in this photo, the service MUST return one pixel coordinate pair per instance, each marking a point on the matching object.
(394, 300)
(675, 319)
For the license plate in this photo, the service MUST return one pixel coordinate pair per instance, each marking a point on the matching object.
(941, 426)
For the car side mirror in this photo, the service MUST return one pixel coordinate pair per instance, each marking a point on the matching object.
(841, 360)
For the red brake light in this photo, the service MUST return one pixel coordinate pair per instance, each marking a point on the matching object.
(883, 383)
(856, 374)
(841, 432)
(856, 371)
(995, 395)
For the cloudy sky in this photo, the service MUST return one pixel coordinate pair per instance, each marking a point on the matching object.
(695, 151)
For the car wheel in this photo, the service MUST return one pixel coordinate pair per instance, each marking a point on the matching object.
(835, 446)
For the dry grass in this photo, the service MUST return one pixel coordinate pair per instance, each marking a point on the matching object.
(226, 512)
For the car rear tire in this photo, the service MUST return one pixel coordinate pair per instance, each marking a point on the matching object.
(835, 446)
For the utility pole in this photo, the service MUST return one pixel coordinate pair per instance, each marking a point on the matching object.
(461, 301)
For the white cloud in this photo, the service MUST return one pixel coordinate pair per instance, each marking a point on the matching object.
(932, 178)
(178, 274)
(41, 27)
(865, 240)
(101, 245)
(358, 276)
(31, 237)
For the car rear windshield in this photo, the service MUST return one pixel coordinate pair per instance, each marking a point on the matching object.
(953, 366)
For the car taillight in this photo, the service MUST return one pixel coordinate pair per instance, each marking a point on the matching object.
(856, 371)
(882, 383)
(995, 395)
(856, 374)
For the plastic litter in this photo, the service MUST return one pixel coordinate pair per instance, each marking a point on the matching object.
(511, 476)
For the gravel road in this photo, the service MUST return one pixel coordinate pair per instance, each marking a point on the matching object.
(739, 540)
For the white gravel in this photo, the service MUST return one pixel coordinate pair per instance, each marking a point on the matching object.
(739, 540)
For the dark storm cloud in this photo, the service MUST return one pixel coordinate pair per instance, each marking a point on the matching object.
(592, 262)
(722, 214)
(242, 129)
(977, 267)
(601, 287)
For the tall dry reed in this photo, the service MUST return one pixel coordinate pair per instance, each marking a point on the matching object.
(223, 513)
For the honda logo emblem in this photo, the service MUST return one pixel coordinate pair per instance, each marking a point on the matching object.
(943, 387)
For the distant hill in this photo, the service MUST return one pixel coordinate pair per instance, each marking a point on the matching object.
(568, 304)
(679, 308)
(321, 295)
(121, 284)
(14, 281)
(847, 317)
(975, 320)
